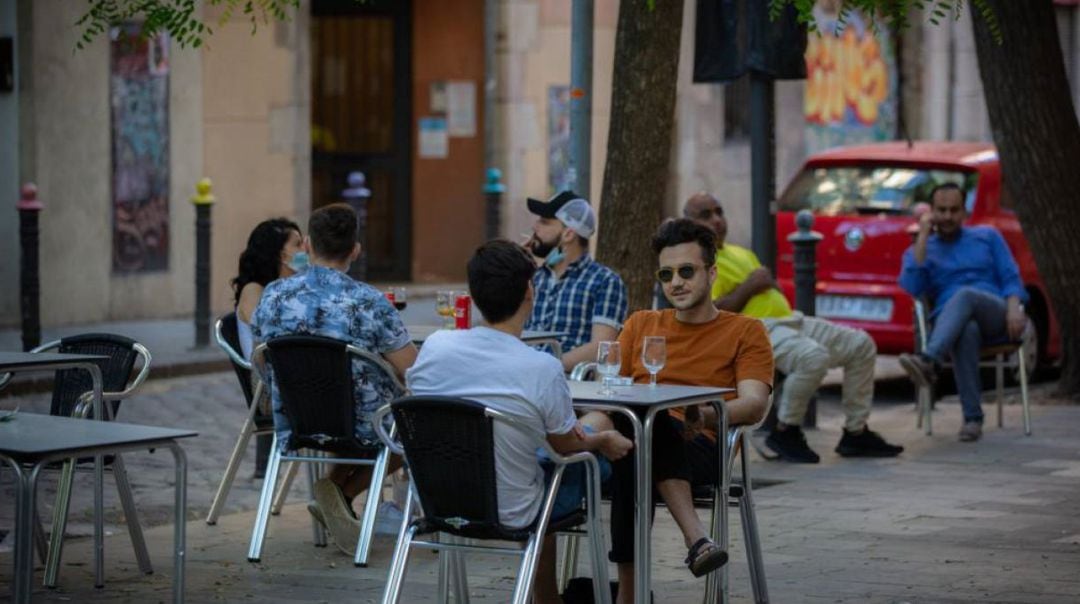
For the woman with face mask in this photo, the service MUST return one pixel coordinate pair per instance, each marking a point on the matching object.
(274, 251)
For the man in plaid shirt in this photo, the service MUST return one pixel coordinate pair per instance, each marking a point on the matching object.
(574, 293)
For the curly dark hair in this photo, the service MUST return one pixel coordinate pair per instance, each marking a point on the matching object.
(684, 230)
(260, 262)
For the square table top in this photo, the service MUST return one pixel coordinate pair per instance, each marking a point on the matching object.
(644, 395)
(419, 333)
(14, 360)
(32, 436)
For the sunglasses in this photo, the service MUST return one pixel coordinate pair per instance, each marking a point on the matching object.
(685, 271)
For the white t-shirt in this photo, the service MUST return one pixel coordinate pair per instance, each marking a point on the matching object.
(501, 372)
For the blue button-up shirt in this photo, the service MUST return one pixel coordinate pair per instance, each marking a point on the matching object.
(977, 258)
(588, 292)
(325, 302)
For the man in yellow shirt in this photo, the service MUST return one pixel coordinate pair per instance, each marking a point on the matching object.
(804, 348)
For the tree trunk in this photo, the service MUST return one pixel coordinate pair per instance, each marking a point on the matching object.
(1038, 140)
(639, 140)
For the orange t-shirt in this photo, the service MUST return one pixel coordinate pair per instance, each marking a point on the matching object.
(720, 353)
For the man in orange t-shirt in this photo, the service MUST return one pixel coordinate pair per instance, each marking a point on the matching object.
(705, 347)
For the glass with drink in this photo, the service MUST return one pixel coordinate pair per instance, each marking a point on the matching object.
(401, 298)
(608, 362)
(444, 305)
(653, 356)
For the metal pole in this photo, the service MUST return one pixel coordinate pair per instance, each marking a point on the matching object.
(203, 201)
(493, 191)
(763, 167)
(804, 241)
(491, 16)
(581, 77)
(358, 195)
(29, 268)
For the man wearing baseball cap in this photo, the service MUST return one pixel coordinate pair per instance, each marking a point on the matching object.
(574, 294)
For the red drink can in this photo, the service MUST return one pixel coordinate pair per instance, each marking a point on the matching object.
(463, 311)
(389, 297)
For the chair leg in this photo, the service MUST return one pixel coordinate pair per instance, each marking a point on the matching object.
(999, 386)
(597, 543)
(569, 561)
(527, 570)
(371, 507)
(262, 517)
(752, 536)
(131, 514)
(1024, 393)
(396, 575)
(459, 576)
(318, 533)
(443, 595)
(286, 484)
(41, 544)
(59, 522)
(926, 408)
(230, 470)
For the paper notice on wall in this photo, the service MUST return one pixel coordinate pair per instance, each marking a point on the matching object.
(461, 108)
(434, 143)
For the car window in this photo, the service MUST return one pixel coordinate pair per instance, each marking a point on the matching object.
(839, 190)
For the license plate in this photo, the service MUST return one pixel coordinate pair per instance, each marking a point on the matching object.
(862, 308)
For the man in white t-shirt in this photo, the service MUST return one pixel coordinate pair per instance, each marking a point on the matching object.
(491, 365)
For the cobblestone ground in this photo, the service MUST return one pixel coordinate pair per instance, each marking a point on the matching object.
(995, 521)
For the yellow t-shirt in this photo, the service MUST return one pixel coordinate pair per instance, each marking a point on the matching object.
(733, 265)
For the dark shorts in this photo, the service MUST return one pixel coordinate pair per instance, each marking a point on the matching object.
(574, 484)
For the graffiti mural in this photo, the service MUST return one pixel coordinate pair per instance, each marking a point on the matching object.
(139, 94)
(851, 81)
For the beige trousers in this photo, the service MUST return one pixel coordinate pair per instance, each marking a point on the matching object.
(805, 348)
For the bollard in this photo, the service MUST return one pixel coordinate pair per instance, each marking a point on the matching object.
(358, 196)
(805, 241)
(493, 191)
(203, 200)
(29, 270)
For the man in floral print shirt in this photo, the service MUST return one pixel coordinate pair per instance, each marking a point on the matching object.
(325, 301)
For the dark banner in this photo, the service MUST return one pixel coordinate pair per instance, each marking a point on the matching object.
(733, 37)
(139, 93)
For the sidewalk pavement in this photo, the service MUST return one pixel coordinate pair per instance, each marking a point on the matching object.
(992, 521)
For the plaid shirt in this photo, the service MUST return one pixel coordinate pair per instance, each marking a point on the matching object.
(587, 293)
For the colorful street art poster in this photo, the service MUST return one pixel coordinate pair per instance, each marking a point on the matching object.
(139, 93)
(558, 147)
(851, 81)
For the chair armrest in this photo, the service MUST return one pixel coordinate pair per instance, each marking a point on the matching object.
(233, 354)
(388, 439)
(581, 371)
(921, 323)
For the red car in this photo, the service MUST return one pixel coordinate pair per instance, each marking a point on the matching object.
(862, 198)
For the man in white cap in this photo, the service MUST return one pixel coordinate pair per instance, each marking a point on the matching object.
(574, 294)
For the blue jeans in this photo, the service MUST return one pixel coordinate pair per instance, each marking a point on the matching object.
(572, 488)
(969, 319)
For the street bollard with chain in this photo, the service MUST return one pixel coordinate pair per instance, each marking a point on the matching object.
(29, 271)
(493, 191)
(203, 201)
(357, 195)
(804, 241)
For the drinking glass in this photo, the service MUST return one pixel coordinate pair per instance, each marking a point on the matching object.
(608, 361)
(653, 356)
(444, 305)
(401, 298)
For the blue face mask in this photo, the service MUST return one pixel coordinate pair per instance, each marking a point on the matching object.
(299, 262)
(554, 257)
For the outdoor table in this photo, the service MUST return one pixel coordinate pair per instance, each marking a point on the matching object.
(420, 333)
(654, 399)
(29, 441)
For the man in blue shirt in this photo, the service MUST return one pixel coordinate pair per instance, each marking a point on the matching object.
(574, 293)
(325, 301)
(977, 295)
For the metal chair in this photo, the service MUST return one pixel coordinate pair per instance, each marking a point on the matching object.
(72, 398)
(257, 423)
(999, 357)
(314, 378)
(740, 494)
(448, 444)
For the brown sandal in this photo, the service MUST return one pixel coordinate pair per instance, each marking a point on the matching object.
(704, 557)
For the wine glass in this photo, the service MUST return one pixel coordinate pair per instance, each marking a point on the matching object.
(608, 361)
(444, 305)
(401, 298)
(653, 356)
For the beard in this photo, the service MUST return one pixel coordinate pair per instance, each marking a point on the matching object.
(540, 248)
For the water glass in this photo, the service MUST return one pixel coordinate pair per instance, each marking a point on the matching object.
(653, 356)
(444, 305)
(608, 362)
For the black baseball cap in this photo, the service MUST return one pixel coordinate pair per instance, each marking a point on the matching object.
(547, 209)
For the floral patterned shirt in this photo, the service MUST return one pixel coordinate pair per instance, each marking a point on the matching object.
(325, 302)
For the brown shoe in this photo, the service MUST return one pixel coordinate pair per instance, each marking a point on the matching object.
(970, 432)
(919, 368)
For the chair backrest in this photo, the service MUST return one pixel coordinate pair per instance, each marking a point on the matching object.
(314, 379)
(116, 370)
(449, 447)
(229, 341)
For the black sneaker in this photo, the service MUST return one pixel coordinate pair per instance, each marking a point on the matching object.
(866, 444)
(790, 445)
